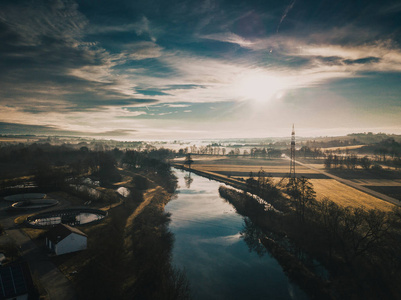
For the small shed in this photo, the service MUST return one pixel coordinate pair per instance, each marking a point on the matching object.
(62, 239)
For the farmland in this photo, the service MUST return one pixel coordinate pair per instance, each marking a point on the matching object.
(347, 196)
(343, 194)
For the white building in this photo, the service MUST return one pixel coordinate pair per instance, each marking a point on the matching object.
(63, 239)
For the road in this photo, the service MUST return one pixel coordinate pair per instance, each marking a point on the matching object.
(354, 185)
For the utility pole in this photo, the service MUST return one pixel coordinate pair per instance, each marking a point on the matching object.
(292, 154)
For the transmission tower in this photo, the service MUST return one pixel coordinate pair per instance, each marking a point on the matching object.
(292, 155)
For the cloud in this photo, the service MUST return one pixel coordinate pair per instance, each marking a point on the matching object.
(183, 86)
(39, 23)
(228, 37)
(16, 128)
(390, 9)
(45, 51)
(379, 57)
(178, 105)
(30, 129)
(141, 28)
(134, 113)
(365, 60)
(143, 50)
(76, 67)
(286, 11)
(151, 92)
(50, 67)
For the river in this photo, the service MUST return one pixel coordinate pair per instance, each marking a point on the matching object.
(211, 250)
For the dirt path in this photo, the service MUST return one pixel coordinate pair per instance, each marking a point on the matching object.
(148, 196)
(354, 185)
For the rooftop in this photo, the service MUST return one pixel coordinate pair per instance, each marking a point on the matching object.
(61, 231)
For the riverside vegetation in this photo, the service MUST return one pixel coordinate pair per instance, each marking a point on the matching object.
(129, 253)
(131, 256)
(359, 248)
(132, 260)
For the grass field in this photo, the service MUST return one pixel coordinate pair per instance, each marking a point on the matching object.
(244, 170)
(353, 147)
(347, 196)
(378, 182)
(340, 193)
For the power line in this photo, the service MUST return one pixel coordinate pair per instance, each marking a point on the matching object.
(292, 154)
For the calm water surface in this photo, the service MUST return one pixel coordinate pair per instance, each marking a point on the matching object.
(80, 217)
(209, 247)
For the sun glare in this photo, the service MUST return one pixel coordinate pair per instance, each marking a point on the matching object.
(260, 87)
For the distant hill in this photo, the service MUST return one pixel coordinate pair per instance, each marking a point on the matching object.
(372, 138)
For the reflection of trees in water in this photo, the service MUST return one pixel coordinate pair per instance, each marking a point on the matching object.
(188, 180)
(251, 235)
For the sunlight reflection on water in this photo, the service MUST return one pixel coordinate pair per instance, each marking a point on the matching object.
(209, 247)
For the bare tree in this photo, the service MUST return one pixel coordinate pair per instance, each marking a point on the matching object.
(188, 160)
(302, 192)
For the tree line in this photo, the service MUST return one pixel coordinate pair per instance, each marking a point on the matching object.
(111, 267)
(253, 152)
(360, 248)
(351, 162)
(132, 259)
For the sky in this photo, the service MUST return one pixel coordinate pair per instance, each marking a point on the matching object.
(193, 69)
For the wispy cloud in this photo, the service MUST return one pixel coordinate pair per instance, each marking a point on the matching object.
(140, 28)
(142, 50)
(286, 11)
(178, 105)
(367, 58)
(228, 37)
(76, 67)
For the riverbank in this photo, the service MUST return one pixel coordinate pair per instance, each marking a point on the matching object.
(128, 254)
(271, 223)
(355, 246)
(316, 287)
(210, 246)
(148, 243)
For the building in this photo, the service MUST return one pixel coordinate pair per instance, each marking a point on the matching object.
(62, 239)
(16, 282)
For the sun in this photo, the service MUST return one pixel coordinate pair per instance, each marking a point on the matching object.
(260, 87)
